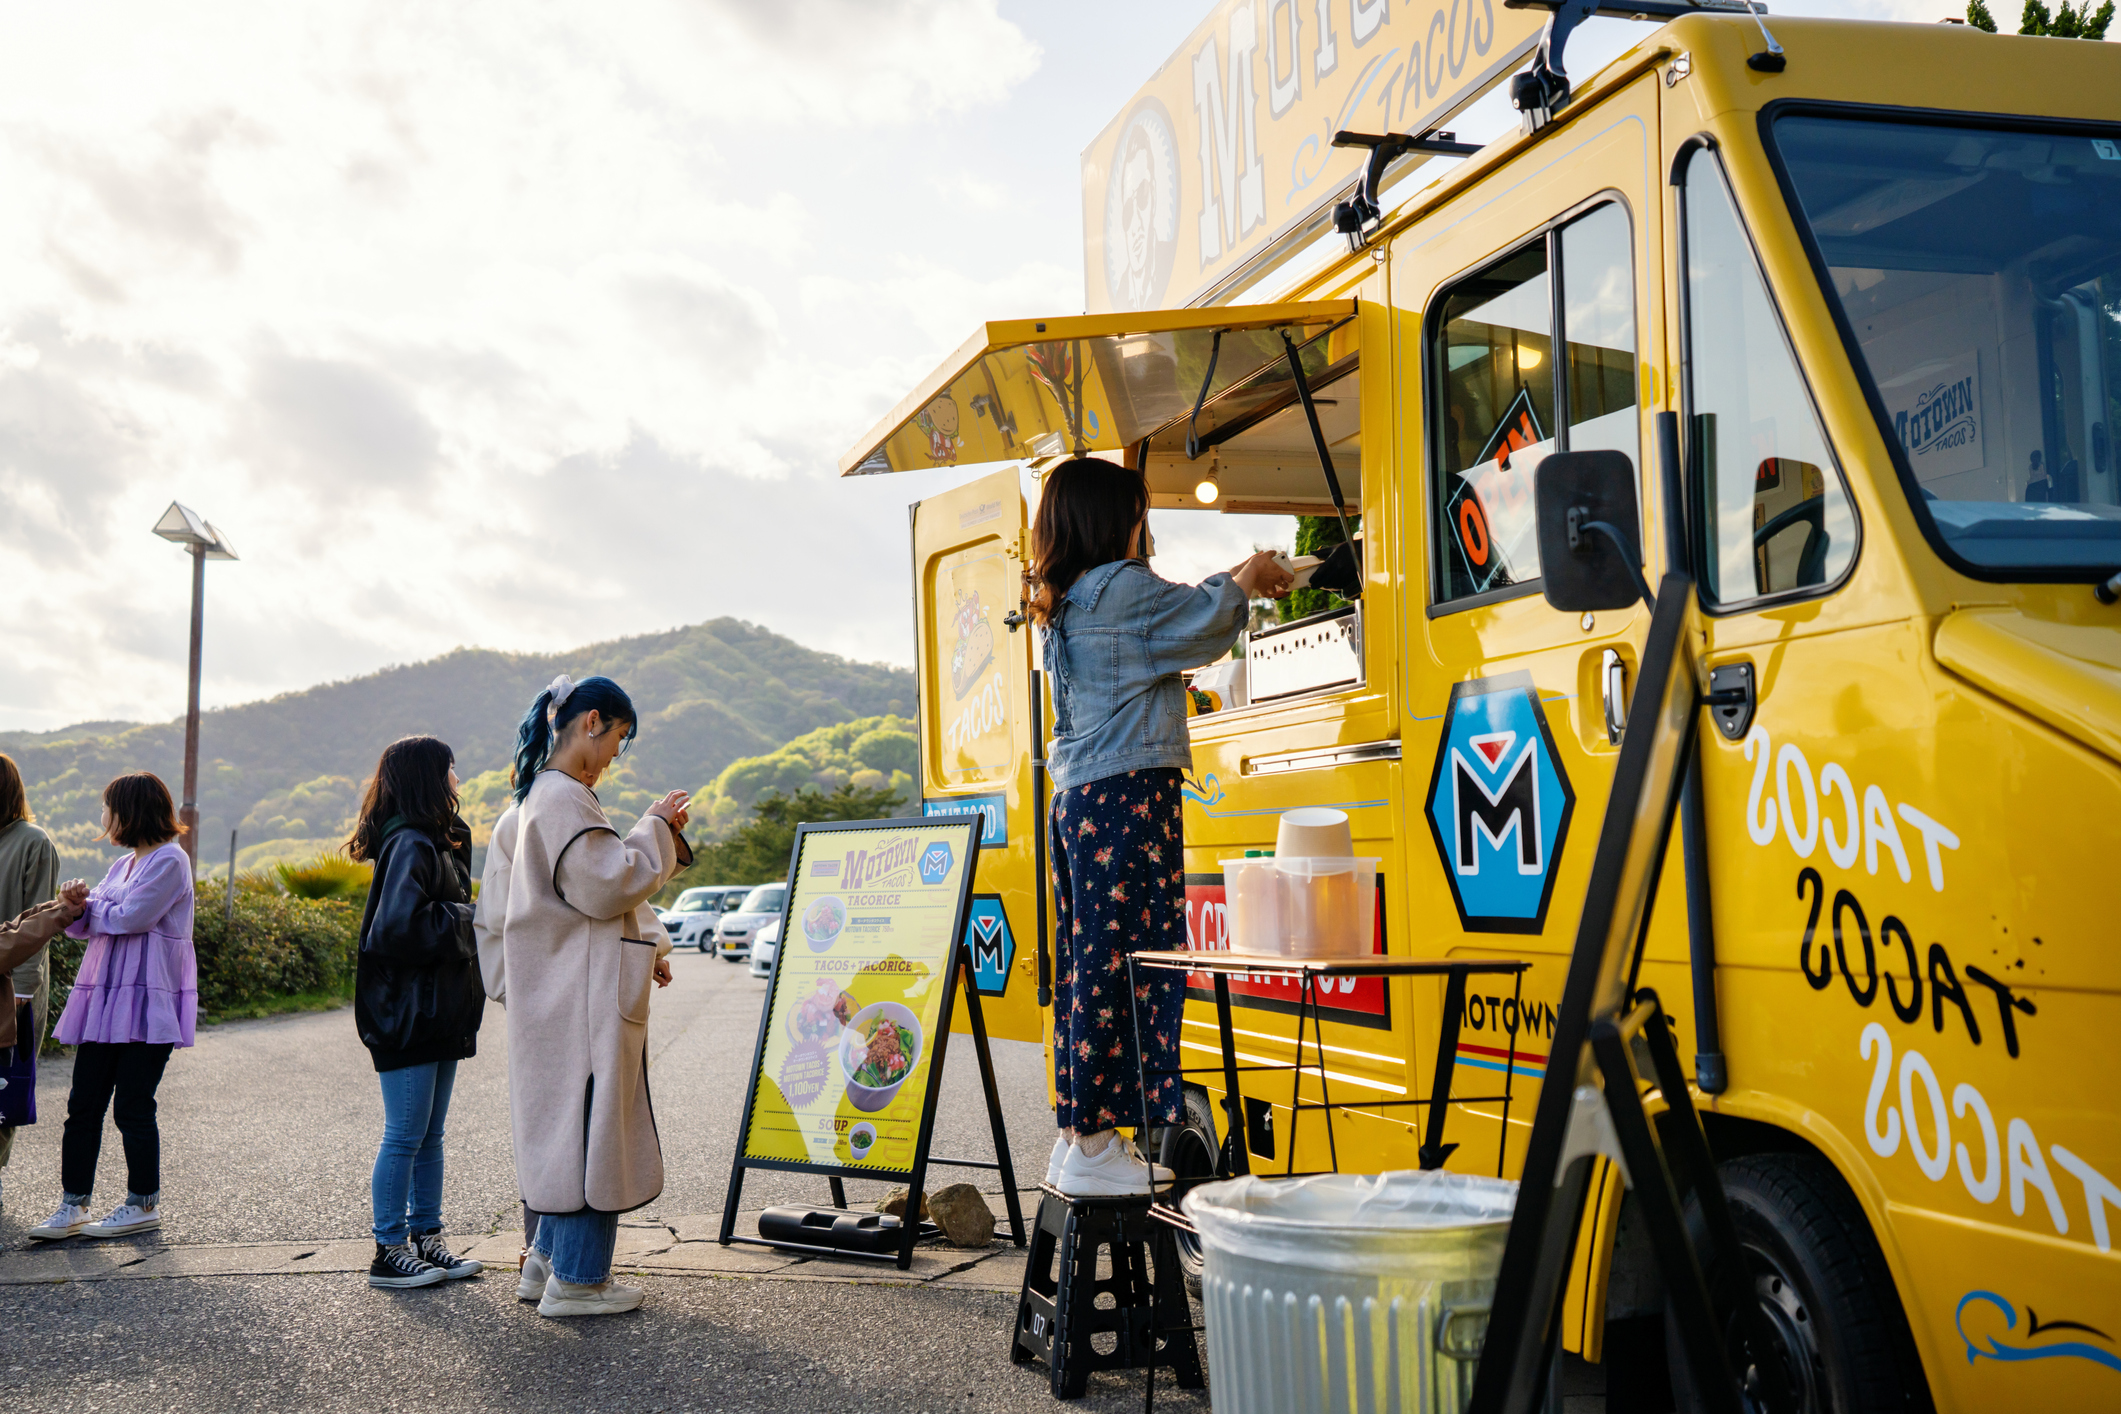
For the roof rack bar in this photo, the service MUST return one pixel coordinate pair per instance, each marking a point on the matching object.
(1543, 90)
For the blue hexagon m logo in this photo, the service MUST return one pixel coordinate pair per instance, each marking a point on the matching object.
(992, 945)
(935, 862)
(1499, 805)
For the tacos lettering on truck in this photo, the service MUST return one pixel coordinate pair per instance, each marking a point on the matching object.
(1880, 287)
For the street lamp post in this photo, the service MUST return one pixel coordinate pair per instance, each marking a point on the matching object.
(183, 526)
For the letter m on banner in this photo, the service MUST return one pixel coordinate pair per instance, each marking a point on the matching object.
(1499, 804)
(1233, 179)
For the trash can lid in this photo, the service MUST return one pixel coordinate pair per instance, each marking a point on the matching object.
(1396, 1200)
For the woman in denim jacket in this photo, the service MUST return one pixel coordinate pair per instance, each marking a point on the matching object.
(1115, 638)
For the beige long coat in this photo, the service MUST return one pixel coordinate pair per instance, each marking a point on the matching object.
(577, 970)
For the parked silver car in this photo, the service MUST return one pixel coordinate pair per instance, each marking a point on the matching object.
(765, 945)
(692, 919)
(760, 906)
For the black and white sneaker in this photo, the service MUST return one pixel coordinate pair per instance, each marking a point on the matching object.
(400, 1266)
(431, 1249)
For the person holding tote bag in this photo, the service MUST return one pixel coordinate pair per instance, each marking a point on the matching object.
(578, 968)
(418, 999)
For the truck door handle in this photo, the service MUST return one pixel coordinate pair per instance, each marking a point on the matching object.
(1613, 673)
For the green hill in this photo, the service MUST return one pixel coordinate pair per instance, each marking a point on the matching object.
(286, 772)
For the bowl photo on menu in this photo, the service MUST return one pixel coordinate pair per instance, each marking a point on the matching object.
(878, 1050)
(822, 921)
(820, 1016)
(860, 1140)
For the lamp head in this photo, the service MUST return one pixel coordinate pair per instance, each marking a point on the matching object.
(181, 525)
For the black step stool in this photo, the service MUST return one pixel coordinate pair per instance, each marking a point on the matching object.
(1059, 1312)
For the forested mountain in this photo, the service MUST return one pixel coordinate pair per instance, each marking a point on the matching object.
(286, 772)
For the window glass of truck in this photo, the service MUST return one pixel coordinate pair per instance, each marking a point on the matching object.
(1505, 402)
(1774, 516)
(1978, 274)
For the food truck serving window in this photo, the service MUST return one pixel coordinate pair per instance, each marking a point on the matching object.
(1505, 402)
(1978, 273)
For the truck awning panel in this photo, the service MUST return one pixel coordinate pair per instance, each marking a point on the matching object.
(1020, 389)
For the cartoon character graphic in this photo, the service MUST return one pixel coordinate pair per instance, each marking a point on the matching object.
(974, 648)
(940, 421)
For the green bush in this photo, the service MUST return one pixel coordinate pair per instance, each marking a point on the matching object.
(279, 946)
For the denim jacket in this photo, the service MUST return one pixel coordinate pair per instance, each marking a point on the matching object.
(1113, 653)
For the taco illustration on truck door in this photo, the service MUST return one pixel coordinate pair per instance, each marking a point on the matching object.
(974, 648)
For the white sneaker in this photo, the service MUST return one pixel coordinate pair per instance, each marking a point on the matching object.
(123, 1219)
(566, 1298)
(1118, 1172)
(537, 1270)
(70, 1219)
(1061, 1146)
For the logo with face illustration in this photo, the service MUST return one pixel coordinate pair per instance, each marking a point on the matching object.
(1141, 209)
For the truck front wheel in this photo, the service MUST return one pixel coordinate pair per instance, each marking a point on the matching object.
(1823, 1284)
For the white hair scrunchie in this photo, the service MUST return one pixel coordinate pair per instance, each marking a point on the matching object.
(561, 689)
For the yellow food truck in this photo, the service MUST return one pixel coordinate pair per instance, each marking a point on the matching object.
(1875, 271)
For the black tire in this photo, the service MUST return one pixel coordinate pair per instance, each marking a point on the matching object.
(1824, 1285)
(1189, 1150)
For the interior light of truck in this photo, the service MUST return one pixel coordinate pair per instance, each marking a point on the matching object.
(1207, 490)
(1528, 357)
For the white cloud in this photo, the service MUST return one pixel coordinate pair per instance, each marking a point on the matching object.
(490, 323)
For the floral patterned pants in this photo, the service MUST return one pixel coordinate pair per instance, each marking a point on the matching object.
(1119, 885)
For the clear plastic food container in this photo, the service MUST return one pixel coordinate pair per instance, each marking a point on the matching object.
(1323, 907)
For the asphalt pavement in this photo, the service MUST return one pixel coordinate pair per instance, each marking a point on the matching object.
(253, 1295)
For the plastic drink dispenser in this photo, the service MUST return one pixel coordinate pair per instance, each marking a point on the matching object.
(1311, 897)
(1252, 890)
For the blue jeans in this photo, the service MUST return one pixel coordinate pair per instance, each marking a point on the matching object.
(408, 1173)
(579, 1244)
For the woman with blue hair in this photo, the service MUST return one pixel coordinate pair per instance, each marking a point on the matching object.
(579, 965)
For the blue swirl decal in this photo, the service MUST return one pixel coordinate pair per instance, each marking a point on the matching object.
(1210, 791)
(1995, 1350)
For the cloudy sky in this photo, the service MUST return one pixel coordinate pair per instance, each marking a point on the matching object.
(519, 324)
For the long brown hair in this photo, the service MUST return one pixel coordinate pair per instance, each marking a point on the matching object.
(1087, 516)
(14, 799)
(411, 780)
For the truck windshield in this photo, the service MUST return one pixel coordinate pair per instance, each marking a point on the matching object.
(1980, 272)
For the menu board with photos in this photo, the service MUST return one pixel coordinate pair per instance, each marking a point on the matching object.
(845, 1073)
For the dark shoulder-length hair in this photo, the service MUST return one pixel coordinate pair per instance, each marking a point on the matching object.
(1088, 511)
(14, 798)
(141, 811)
(411, 780)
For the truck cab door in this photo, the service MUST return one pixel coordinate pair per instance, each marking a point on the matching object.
(976, 727)
(1535, 335)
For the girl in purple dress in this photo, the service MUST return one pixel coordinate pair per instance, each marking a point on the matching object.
(134, 1000)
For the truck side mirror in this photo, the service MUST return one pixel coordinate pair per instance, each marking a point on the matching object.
(1590, 534)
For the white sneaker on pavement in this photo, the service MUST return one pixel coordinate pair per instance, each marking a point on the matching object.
(1061, 1146)
(70, 1219)
(537, 1270)
(123, 1219)
(566, 1298)
(1119, 1171)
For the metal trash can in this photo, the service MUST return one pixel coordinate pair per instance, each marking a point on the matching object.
(1365, 1293)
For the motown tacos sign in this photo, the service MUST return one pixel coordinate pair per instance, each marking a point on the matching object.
(1229, 147)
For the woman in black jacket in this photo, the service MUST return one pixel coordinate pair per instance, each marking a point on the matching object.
(418, 998)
